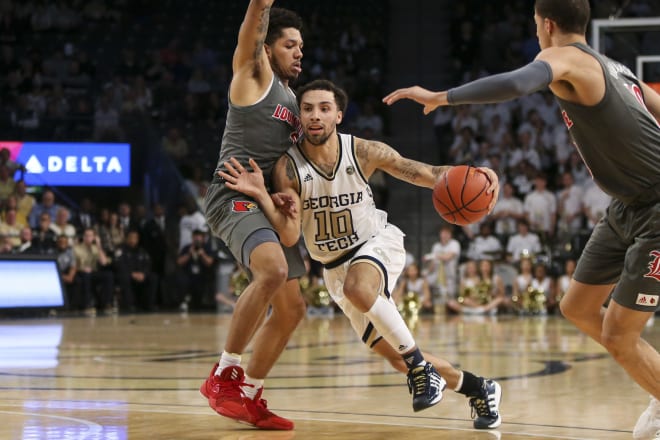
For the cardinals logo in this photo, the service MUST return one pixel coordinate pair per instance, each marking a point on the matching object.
(654, 266)
(243, 206)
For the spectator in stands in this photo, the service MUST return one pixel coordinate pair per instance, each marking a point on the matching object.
(481, 291)
(195, 276)
(507, 212)
(155, 238)
(441, 265)
(61, 226)
(109, 231)
(412, 281)
(24, 202)
(564, 279)
(543, 282)
(485, 246)
(190, 221)
(26, 243)
(10, 228)
(525, 149)
(7, 183)
(138, 284)
(11, 165)
(523, 177)
(541, 208)
(524, 277)
(47, 205)
(44, 236)
(92, 276)
(569, 207)
(594, 204)
(523, 244)
(125, 217)
(66, 264)
(495, 130)
(84, 217)
(465, 148)
(577, 168)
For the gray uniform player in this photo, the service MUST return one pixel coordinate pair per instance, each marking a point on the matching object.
(612, 118)
(262, 123)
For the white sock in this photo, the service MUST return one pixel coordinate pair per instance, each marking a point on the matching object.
(388, 322)
(227, 360)
(251, 391)
(459, 384)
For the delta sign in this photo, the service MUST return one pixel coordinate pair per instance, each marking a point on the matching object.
(72, 163)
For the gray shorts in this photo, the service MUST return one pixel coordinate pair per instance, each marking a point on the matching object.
(234, 220)
(624, 248)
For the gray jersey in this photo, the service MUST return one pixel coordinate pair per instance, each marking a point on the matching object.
(618, 138)
(262, 131)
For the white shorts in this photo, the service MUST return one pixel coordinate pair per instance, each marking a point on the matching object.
(385, 251)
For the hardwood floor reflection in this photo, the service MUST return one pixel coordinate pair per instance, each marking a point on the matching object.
(137, 377)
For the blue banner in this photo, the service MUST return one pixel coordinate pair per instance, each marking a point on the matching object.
(74, 163)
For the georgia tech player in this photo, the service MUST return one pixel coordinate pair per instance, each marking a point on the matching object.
(325, 178)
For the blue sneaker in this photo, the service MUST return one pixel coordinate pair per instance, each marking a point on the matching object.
(487, 406)
(426, 386)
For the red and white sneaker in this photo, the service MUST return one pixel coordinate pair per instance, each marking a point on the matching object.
(262, 417)
(224, 393)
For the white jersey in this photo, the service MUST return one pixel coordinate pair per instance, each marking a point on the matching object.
(338, 210)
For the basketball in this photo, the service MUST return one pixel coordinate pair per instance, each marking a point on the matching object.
(460, 196)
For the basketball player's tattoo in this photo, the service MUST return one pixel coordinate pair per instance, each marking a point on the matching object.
(439, 170)
(409, 169)
(362, 150)
(262, 28)
(290, 170)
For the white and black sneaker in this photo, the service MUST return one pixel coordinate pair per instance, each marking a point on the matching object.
(486, 405)
(426, 386)
(648, 424)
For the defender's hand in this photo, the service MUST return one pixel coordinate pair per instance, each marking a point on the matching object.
(239, 179)
(430, 100)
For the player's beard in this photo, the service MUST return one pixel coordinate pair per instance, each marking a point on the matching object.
(319, 139)
(277, 68)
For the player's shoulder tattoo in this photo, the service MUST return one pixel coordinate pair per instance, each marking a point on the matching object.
(290, 169)
(366, 150)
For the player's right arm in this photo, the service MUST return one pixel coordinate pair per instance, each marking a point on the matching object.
(284, 218)
(528, 79)
(251, 69)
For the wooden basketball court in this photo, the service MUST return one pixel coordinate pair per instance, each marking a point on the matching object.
(138, 378)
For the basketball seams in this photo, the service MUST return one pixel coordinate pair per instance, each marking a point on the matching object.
(450, 192)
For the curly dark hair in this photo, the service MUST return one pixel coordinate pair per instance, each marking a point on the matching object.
(279, 19)
(341, 98)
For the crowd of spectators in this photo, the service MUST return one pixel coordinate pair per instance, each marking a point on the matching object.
(548, 203)
(115, 70)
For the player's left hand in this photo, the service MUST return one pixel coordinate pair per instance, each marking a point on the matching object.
(239, 179)
(494, 187)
